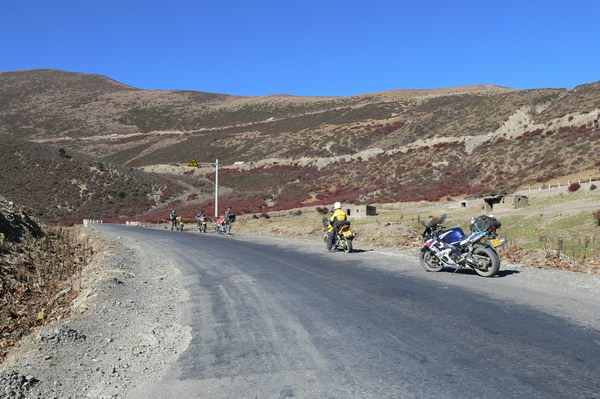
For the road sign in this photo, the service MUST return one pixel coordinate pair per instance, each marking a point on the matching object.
(193, 163)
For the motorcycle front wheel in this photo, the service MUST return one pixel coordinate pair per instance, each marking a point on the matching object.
(488, 262)
(430, 262)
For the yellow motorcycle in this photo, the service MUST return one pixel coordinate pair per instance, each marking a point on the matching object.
(343, 238)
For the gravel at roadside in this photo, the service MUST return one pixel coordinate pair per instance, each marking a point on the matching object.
(126, 330)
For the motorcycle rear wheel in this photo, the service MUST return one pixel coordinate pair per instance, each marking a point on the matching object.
(488, 261)
(430, 262)
(347, 245)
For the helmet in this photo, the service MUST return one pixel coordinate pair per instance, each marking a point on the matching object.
(337, 205)
(444, 216)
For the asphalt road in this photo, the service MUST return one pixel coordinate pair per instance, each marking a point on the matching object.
(275, 319)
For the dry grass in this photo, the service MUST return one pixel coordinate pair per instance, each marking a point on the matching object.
(538, 235)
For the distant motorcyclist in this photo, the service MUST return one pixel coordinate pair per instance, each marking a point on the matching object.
(201, 221)
(220, 224)
(337, 217)
(173, 218)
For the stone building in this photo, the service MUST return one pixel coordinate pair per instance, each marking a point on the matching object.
(510, 201)
(359, 211)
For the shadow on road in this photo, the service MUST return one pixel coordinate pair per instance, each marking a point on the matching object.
(504, 273)
(501, 273)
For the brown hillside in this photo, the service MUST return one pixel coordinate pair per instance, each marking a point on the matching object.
(395, 145)
(66, 186)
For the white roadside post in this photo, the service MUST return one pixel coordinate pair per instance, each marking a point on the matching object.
(215, 165)
(216, 188)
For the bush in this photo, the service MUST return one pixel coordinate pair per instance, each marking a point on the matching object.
(593, 187)
(574, 187)
(321, 210)
(597, 216)
(265, 215)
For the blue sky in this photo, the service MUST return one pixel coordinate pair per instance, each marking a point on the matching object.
(307, 47)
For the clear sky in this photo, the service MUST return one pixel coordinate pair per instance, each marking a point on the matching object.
(307, 47)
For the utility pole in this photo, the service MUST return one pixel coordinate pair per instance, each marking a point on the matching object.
(216, 188)
(196, 164)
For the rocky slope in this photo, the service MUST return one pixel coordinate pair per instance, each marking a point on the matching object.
(37, 268)
(125, 328)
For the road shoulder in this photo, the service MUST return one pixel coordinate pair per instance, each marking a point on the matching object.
(126, 329)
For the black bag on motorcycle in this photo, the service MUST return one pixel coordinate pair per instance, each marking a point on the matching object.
(338, 224)
(484, 223)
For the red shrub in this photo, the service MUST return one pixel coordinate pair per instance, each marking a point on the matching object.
(593, 187)
(574, 187)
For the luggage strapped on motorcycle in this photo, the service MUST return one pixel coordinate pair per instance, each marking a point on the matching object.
(338, 224)
(484, 223)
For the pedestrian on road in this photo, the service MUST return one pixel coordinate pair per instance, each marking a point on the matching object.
(229, 220)
(173, 217)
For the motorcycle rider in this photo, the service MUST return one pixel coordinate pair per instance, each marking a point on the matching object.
(200, 215)
(338, 216)
(173, 218)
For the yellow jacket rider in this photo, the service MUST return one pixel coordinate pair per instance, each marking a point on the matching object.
(338, 216)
